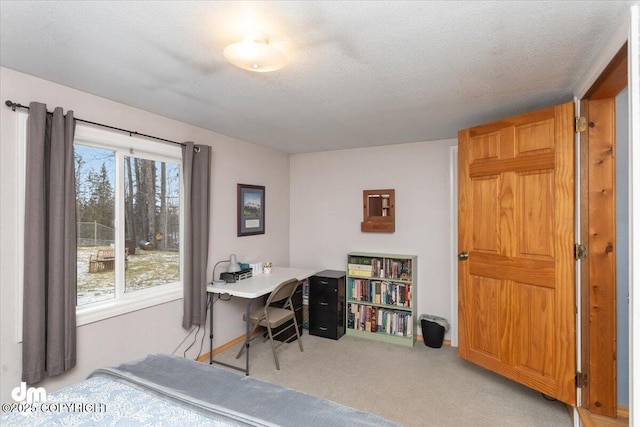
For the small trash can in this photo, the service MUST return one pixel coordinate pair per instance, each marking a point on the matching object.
(433, 329)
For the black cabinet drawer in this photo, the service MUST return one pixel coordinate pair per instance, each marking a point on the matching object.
(319, 282)
(324, 324)
(323, 298)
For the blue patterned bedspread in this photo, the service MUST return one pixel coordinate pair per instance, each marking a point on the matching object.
(107, 403)
(162, 390)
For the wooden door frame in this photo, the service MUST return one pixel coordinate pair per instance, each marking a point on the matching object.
(597, 233)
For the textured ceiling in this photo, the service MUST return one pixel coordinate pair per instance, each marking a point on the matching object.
(360, 73)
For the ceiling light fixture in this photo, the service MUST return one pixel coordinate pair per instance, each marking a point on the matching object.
(254, 53)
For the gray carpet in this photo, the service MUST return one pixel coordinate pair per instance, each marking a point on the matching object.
(417, 386)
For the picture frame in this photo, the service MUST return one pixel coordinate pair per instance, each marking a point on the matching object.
(251, 209)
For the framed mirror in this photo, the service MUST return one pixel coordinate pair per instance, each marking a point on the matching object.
(378, 211)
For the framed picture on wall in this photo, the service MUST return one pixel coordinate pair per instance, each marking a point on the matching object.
(250, 210)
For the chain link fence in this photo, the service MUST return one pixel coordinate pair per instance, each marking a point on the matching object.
(94, 234)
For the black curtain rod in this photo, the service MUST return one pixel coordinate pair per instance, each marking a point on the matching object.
(15, 105)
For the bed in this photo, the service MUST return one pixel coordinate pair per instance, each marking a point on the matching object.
(162, 390)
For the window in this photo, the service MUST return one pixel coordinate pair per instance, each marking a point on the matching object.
(128, 195)
(129, 224)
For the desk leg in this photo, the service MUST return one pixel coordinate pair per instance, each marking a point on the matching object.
(247, 336)
(210, 329)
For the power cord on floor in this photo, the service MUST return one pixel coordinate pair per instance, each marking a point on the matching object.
(549, 398)
(197, 329)
(195, 337)
(185, 338)
(204, 333)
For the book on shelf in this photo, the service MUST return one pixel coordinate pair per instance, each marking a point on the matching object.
(374, 323)
(360, 267)
(367, 319)
(360, 273)
(380, 292)
(390, 268)
(362, 260)
(380, 320)
(362, 270)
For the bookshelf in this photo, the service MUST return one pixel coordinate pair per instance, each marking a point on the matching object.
(381, 297)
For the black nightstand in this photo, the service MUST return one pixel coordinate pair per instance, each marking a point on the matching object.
(327, 304)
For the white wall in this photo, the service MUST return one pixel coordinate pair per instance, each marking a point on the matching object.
(155, 329)
(326, 211)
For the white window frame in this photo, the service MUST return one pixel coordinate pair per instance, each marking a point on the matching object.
(122, 145)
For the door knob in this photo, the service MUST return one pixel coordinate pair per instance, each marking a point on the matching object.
(463, 256)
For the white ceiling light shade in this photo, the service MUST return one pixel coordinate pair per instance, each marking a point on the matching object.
(254, 53)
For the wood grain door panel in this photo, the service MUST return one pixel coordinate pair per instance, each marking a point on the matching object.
(485, 334)
(486, 214)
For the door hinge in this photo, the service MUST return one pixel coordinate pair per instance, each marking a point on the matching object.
(579, 251)
(581, 124)
(581, 380)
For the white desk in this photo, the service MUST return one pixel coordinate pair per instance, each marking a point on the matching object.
(250, 289)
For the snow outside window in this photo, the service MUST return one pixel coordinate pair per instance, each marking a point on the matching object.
(129, 216)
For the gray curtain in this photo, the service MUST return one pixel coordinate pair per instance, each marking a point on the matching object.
(50, 279)
(196, 166)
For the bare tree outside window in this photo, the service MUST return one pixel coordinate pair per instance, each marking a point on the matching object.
(151, 201)
(152, 221)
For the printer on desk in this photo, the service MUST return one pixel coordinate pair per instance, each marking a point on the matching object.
(232, 277)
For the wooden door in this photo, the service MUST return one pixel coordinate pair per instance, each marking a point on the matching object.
(516, 292)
